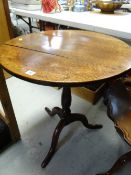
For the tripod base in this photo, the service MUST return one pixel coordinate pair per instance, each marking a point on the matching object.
(65, 119)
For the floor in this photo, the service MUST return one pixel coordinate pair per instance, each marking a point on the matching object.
(80, 151)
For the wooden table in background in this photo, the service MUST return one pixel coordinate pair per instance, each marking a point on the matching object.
(63, 59)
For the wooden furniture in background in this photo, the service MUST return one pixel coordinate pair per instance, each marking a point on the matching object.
(91, 93)
(65, 59)
(118, 101)
(5, 25)
(5, 35)
(8, 116)
(5, 22)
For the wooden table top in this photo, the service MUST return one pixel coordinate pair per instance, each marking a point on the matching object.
(65, 57)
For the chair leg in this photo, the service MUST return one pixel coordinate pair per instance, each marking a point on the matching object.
(118, 164)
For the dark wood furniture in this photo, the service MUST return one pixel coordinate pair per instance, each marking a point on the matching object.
(64, 59)
(118, 101)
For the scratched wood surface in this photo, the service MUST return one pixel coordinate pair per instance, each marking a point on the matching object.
(68, 57)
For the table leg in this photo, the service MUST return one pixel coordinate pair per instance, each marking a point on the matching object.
(42, 25)
(8, 109)
(30, 25)
(66, 117)
(118, 164)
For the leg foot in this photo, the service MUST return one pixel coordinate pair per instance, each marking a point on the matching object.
(63, 122)
(54, 111)
(84, 120)
(118, 164)
(54, 142)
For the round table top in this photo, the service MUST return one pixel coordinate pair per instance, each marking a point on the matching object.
(65, 57)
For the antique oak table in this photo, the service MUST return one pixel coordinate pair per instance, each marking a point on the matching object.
(63, 59)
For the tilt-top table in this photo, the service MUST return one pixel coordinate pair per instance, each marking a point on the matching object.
(65, 59)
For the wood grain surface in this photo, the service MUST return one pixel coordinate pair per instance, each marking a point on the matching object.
(68, 57)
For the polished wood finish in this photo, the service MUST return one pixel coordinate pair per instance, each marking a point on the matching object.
(66, 117)
(8, 109)
(6, 74)
(88, 56)
(118, 100)
(65, 59)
